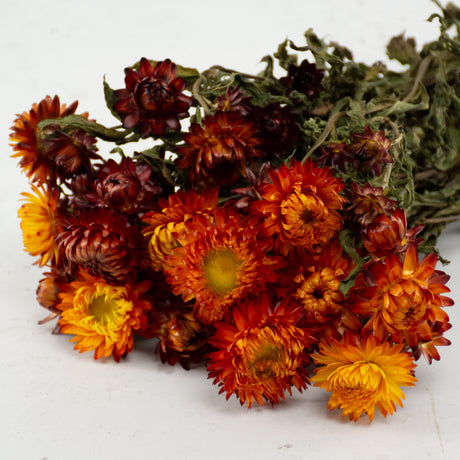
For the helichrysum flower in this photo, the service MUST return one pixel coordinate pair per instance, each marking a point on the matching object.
(126, 186)
(259, 351)
(102, 316)
(363, 374)
(57, 154)
(105, 243)
(317, 283)
(305, 78)
(153, 101)
(403, 298)
(217, 151)
(335, 155)
(301, 205)
(370, 150)
(181, 338)
(276, 127)
(219, 262)
(389, 234)
(40, 224)
(164, 227)
(367, 202)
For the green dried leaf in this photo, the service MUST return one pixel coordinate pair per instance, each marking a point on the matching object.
(110, 100)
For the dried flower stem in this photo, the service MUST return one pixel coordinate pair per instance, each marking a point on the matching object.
(246, 75)
(328, 128)
(196, 94)
(439, 220)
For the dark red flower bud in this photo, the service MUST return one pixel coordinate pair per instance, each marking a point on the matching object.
(388, 234)
(305, 78)
(153, 101)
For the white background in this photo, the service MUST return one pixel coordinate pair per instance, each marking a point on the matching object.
(57, 404)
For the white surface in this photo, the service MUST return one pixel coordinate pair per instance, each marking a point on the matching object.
(56, 404)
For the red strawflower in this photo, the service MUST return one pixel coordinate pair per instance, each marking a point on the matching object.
(48, 290)
(370, 150)
(104, 243)
(277, 127)
(126, 186)
(335, 156)
(181, 337)
(217, 152)
(259, 351)
(234, 100)
(388, 234)
(427, 348)
(367, 202)
(72, 153)
(153, 101)
(43, 161)
(305, 78)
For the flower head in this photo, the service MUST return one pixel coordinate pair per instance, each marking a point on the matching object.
(259, 351)
(153, 101)
(403, 298)
(40, 224)
(234, 100)
(104, 243)
(102, 316)
(370, 150)
(363, 374)
(367, 202)
(217, 151)
(126, 186)
(305, 78)
(164, 227)
(219, 262)
(277, 127)
(71, 152)
(301, 205)
(388, 234)
(317, 283)
(181, 337)
(335, 155)
(35, 159)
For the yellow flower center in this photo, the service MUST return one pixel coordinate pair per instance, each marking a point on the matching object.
(104, 309)
(221, 270)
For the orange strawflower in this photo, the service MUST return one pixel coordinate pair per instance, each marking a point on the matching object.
(61, 153)
(216, 151)
(40, 224)
(363, 374)
(301, 205)
(102, 316)
(317, 284)
(259, 352)
(219, 263)
(403, 298)
(163, 227)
